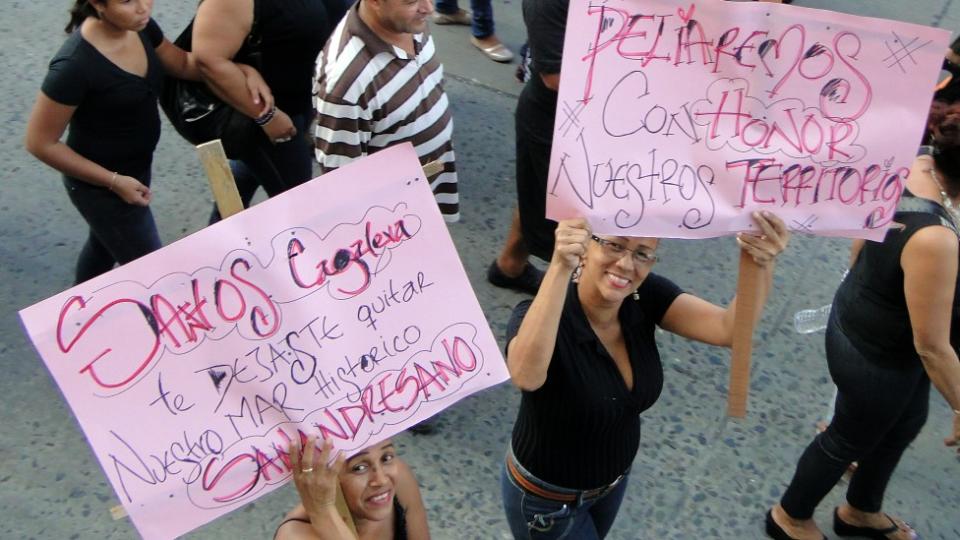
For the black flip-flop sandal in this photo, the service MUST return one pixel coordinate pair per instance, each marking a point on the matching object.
(842, 528)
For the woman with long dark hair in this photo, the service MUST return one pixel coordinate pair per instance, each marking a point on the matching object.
(893, 330)
(104, 83)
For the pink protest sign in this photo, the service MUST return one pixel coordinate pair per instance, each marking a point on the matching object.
(677, 119)
(339, 308)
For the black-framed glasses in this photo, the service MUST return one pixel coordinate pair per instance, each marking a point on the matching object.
(616, 250)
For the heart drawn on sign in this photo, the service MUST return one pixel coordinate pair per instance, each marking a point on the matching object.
(685, 16)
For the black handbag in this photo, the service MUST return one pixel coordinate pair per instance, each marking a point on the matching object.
(199, 115)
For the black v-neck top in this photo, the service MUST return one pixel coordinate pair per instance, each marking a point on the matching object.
(116, 123)
(581, 429)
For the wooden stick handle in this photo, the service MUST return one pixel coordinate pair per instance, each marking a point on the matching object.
(221, 180)
(432, 168)
(748, 283)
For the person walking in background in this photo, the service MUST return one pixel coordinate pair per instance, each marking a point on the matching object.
(290, 35)
(104, 83)
(584, 354)
(379, 83)
(530, 232)
(893, 330)
(480, 19)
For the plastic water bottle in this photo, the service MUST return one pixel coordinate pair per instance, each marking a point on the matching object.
(808, 321)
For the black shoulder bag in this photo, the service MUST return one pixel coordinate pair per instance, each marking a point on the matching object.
(199, 115)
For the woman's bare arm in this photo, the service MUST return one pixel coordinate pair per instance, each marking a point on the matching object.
(530, 351)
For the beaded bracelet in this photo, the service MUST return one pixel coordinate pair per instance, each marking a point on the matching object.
(267, 117)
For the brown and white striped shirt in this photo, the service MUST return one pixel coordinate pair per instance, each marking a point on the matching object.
(370, 94)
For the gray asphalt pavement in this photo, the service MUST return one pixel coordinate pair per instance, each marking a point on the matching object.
(698, 474)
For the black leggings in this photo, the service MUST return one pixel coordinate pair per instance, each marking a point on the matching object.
(275, 167)
(879, 412)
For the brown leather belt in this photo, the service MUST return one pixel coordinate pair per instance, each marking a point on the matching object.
(553, 495)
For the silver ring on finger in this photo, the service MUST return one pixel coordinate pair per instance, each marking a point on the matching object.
(308, 470)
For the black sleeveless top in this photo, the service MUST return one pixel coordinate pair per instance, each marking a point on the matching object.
(871, 304)
(292, 32)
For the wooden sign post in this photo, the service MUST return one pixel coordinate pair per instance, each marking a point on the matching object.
(748, 282)
(222, 184)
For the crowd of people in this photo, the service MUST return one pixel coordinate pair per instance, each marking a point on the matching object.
(337, 80)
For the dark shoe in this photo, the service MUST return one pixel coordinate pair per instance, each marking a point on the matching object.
(775, 531)
(528, 281)
(842, 528)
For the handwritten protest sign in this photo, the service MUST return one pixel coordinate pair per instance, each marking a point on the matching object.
(676, 119)
(340, 307)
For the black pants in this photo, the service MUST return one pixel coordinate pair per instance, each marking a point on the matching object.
(119, 232)
(274, 167)
(879, 411)
(534, 138)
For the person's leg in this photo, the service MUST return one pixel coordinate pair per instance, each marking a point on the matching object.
(604, 511)
(94, 259)
(252, 171)
(122, 231)
(868, 484)
(482, 26)
(513, 256)
(860, 423)
(484, 37)
(537, 229)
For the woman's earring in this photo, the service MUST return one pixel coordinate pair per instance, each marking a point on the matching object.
(576, 273)
(636, 295)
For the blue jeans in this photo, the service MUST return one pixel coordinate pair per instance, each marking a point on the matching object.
(879, 411)
(275, 167)
(119, 232)
(482, 15)
(535, 518)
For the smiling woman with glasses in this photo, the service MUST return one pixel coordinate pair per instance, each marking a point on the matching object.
(583, 353)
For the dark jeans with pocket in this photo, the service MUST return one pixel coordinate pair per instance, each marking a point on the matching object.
(119, 232)
(880, 409)
(532, 517)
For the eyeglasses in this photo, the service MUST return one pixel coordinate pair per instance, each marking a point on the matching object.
(616, 251)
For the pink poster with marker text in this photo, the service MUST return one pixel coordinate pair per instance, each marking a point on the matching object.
(339, 308)
(677, 119)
